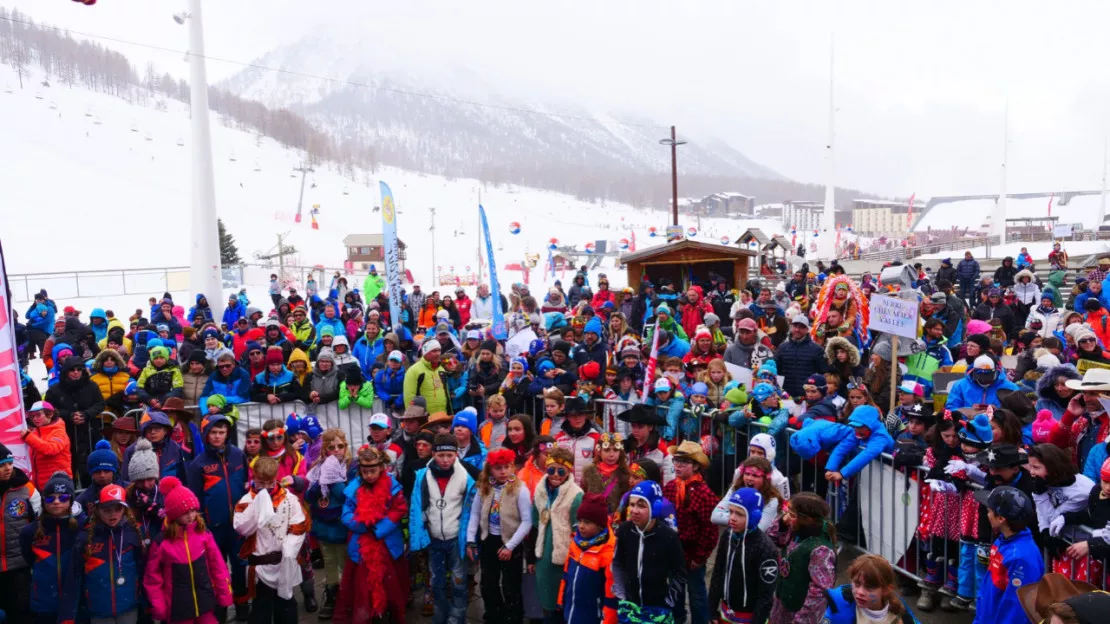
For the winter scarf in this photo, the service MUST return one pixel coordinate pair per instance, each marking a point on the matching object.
(680, 489)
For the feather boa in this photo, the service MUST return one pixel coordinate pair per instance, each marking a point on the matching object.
(371, 505)
(856, 300)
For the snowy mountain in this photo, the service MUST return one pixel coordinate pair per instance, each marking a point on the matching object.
(451, 120)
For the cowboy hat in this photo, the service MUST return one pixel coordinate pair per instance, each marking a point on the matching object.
(439, 418)
(690, 451)
(1094, 380)
(1053, 587)
(642, 414)
(176, 405)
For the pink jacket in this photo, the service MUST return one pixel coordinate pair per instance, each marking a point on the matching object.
(168, 570)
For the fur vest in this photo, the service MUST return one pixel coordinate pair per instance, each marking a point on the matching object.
(558, 516)
(510, 511)
(612, 489)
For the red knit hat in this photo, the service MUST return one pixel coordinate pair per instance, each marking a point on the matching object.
(594, 509)
(500, 457)
(1104, 472)
(180, 500)
(274, 355)
(589, 370)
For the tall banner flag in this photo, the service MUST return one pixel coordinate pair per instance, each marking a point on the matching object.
(392, 259)
(11, 389)
(653, 362)
(1050, 198)
(909, 214)
(498, 328)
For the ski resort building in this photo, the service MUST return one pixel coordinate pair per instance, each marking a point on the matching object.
(366, 249)
(680, 261)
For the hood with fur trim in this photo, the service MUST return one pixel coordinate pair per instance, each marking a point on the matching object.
(1045, 385)
(832, 344)
(104, 356)
(1024, 273)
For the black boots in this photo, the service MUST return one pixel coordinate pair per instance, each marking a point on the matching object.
(326, 611)
(309, 591)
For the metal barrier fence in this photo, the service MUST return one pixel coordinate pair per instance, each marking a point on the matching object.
(877, 510)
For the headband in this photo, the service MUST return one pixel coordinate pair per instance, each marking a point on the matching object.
(273, 433)
(552, 461)
(611, 440)
(374, 465)
(638, 471)
(441, 448)
(544, 446)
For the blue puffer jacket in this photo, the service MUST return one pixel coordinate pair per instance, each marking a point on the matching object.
(385, 530)
(841, 607)
(818, 435)
(865, 450)
(91, 586)
(327, 515)
(41, 317)
(204, 309)
(967, 270)
(219, 480)
(967, 393)
(671, 409)
(233, 313)
(677, 347)
(797, 360)
(389, 386)
(101, 330)
(336, 325)
(236, 387)
(49, 558)
(367, 353)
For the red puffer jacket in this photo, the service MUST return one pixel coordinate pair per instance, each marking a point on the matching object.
(49, 451)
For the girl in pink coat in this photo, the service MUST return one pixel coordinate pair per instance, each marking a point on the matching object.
(186, 578)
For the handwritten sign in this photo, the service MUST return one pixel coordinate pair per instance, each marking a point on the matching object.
(894, 316)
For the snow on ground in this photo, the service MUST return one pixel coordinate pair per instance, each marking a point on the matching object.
(95, 182)
(1039, 251)
(975, 213)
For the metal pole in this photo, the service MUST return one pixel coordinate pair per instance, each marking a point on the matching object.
(204, 257)
(1102, 196)
(674, 177)
(479, 238)
(432, 229)
(300, 200)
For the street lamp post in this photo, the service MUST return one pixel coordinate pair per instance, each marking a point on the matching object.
(674, 143)
(204, 257)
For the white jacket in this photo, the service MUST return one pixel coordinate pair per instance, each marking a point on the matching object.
(1029, 294)
(770, 512)
(1049, 322)
(282, 529)
(1059, 500)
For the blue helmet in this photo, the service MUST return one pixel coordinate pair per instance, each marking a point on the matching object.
(762, 392)
(311, 426)
(650, 492)
(751, 501)
(535, 348)
(292, 425)
(523, 363)
(699, 389)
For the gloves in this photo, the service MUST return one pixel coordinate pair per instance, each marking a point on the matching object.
(976, 473)
(954, 466)
(940, 487)
(271, 558)
(1055, 526)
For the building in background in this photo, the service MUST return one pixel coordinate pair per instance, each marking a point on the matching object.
(728, 205)
(877, 217)
(803, 215)
(366, 249)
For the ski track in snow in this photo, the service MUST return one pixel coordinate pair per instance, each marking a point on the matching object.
(85, 196)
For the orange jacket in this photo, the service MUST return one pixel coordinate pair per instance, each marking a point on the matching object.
(427, 315)
(530, 475)
(1100, 324)
(49, 447)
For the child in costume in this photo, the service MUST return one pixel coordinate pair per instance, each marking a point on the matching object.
(586, 592)
(647, 593)
(325, 497)
(608, 474)
(273, 523)
(556, 501)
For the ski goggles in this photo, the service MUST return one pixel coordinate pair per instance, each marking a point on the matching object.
(57, 498)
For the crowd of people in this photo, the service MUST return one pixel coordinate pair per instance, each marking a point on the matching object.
(584, 470)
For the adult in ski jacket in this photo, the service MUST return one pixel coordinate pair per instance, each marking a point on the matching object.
(202, 307)
(797, 359)
(233, 383)
(331, 320)
(235, 310)
(969, 392)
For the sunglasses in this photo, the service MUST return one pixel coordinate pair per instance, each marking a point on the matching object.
(57, 498)
(1087, 340)
(556, 471)
(337, 447)
(225, 366)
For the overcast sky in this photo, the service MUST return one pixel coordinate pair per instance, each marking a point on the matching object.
(921, 90)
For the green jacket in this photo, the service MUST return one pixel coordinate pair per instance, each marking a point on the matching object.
(372, 286)
(365, 397)
(430, 386)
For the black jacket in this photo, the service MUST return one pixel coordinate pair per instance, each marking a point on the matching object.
(664, 580)
(1002, 312)
(722, 303)
(1004, 275)
(1095, 515)
(797, 361)
(948, 273)
(755, 570)
(639, 309)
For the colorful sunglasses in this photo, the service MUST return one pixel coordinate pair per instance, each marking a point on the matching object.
(557, 470)
(57, 498)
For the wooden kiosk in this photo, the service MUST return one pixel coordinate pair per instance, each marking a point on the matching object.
(680, 260)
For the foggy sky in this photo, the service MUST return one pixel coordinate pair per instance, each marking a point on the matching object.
(921, 90)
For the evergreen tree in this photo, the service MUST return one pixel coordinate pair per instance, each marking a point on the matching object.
(229, 251)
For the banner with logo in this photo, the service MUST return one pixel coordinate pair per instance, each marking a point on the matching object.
(12, 422)
(498, 328)
(392, 255)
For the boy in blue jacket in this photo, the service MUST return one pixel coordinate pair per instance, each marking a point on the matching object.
(218, 477)
(389, 385)
(1015, 560)
(47, 545)
(871, 440)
